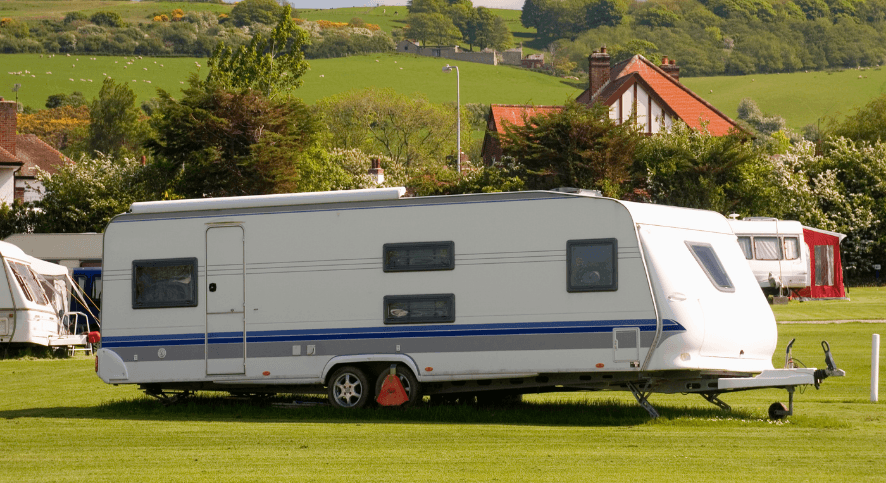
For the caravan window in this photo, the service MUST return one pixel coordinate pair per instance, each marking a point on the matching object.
(413, 257)
(791, 248)
(28, 282)
(164, 283)
(824, 265)
(745, 243)
(706, 257)
(419, 309)
(592, 265)
(766, 248)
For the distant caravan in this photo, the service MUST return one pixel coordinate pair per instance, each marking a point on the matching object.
(775, 251)
(34, 303)
(486, 296)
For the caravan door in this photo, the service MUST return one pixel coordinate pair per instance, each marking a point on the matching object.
(225, 300)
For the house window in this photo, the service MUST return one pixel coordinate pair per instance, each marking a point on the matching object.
(824, 265)
(710, 263)
(164, 283)
(413, 257)
(592, 265)
(766, 248)
(419, 309)
(745, 243)
(791, 248)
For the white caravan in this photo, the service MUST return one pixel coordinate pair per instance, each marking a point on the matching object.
(487, 294)
(775, 251)
(34, 297)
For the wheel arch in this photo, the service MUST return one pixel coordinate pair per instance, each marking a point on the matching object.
(369, 360)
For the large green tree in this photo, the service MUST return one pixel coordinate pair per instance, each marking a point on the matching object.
(248, 12)
(431, 29)
(579, 147)
(113, 120)
(271, 65)
(865, 124)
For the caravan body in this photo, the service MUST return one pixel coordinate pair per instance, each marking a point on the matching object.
(508, 292)
(775, 251)
(34, 297)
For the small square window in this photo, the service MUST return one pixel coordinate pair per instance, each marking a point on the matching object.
(423, 256)
(164, 283)
(419, 309)
(709, 261)
(592, 265)
(791, 248)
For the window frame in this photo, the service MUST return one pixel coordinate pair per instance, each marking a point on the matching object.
(612, 242)
(450, 245)
(166, 262)
(449, 298)
(691, 245)
(796, 241)
(750, 240)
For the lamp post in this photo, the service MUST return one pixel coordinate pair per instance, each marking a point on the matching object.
(449, 68)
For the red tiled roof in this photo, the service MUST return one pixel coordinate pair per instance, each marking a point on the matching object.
(514, 114)
(685, 104)
(34, 153)
(7, 158)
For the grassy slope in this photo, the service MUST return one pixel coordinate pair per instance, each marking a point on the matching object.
(133, 12)
(866, 303)
(58, 422)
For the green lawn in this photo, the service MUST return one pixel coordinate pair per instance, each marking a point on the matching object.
(865, 303)
(58, 422)
(132, 12)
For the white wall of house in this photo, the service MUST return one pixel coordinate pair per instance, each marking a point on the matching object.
(7, 184)
(33, 189)
(651, 116)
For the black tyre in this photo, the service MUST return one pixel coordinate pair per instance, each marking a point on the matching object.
(349, 388)
(409, 381)
(777, 411)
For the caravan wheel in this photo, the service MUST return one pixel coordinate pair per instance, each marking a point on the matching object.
(349, 388)
(410, 384)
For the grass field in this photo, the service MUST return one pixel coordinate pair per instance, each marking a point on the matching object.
(865, 303)
(132, 12)
(58, 422)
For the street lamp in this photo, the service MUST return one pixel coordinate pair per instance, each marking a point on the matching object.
(449, 68)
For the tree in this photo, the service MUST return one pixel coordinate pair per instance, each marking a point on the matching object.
(113, 120)
(605, 13)
(491, 30)
(62, 127)
(426, 6)
(694, 169)
(219, 142)
(107, 19)
(431, 27)
(272, 66)
(249, 12)
(84, 196)
(578, 147)
(73, 99)
(865, 124)
(17, 218)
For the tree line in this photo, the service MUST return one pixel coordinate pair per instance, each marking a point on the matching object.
(448, 22)
(238, 132)
(716, 37)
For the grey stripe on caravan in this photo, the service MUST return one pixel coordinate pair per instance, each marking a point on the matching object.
(596, 340)
(402, 202)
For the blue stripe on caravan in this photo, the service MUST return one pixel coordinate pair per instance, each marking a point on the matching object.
(392, 332)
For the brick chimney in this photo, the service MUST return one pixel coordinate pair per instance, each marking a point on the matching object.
(376, 172)
(670, 67)
(598, 70)
(8, 119)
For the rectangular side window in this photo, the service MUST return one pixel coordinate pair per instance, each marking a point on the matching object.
(766, 248)
(824, 265)
(709, 261)
(413, 257)
(745, 243)
(164, 283)
(592, 265)
(419, 309)
(28, 283)
(791, 248)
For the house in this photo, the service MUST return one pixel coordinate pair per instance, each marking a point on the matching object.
(635, 86)
(20, 156)
(825, 265)
(533, 61)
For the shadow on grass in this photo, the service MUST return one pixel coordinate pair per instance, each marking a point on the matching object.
(214, 408)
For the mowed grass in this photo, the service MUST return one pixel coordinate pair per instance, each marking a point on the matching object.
(406, 74)
(865, 303)
(132, 12)
(58, 422)
(802, 98)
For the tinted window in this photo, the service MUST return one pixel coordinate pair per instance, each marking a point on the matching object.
(28, 283)
(745, 243)
(164, 283)
(706, 257)
(410, 257)
(418, 309)
(592, 265)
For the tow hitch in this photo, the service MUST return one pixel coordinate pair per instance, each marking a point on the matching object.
(822, 374)
(778, 410)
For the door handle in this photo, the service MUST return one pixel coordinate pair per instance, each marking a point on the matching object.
(212, 287)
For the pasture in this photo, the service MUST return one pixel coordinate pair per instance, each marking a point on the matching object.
(132, 12)
(58, 422)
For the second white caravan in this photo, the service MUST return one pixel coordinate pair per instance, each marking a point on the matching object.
(493, 294)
